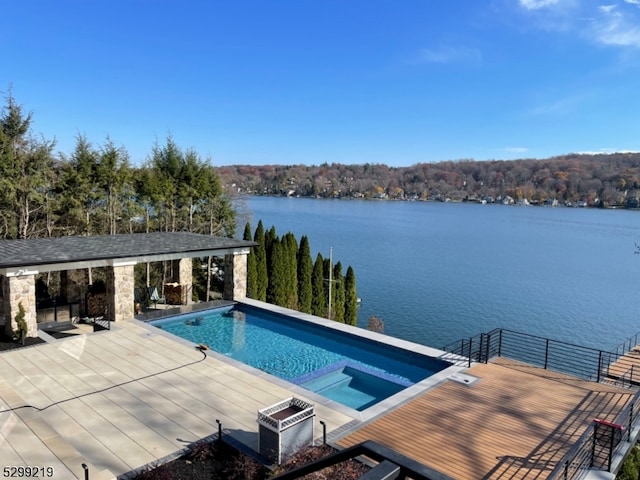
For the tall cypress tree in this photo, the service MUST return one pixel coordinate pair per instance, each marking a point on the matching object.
(305, 269)
(338, 293)
(351, 298)
(262, 278)
(277, 293)
(252, 272)
(319, 300)
(290, 245)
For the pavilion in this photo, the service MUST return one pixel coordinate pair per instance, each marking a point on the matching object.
(72, 256)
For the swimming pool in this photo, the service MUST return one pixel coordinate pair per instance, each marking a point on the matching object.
(355, 371)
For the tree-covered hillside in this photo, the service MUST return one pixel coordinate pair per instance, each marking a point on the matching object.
(590, 180)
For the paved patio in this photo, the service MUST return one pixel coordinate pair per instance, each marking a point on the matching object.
(120, 399)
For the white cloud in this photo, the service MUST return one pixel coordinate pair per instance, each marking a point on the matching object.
(607, 8)
(616, 28)
(449, 54)
(536, 4)
(613, 23)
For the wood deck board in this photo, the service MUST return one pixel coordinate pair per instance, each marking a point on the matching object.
(516, 422)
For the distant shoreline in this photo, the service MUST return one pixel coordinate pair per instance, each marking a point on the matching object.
(447, 200)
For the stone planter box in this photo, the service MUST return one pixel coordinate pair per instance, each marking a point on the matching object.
(285, 428)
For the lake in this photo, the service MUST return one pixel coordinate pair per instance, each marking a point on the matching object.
(439, 272)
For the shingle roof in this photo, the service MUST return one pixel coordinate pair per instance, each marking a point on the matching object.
(58, 250)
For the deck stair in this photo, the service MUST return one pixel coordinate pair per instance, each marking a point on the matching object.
(621, 367)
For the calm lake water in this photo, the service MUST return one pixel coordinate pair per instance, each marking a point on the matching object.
(439, 272)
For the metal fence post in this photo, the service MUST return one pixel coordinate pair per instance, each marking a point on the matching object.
(631, 412)
(324, 432)
(599, 365)
(470, 344)
(546, 355)
(611, 441)
(488, 352)
(593, 446)
(219, 430)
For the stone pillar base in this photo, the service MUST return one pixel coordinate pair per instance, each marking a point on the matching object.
(20, 291)
(235, 276)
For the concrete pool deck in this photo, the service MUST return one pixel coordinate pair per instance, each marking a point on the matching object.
(120, 399)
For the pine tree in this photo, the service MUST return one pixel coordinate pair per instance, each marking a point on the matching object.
(305, 269)
(319, 299)
(26, 172)
(262, 278)
(252, 272)
(338, 293)
(351, 298)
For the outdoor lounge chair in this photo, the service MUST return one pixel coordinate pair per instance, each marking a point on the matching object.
(155, 297)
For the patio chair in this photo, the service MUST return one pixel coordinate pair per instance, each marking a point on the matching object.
(139, 299)
(155, 297)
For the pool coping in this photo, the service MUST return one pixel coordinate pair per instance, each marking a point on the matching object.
(458, 364)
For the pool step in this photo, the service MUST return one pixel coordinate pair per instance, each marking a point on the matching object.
(328, 381)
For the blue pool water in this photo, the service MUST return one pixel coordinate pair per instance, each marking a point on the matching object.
(353, 371)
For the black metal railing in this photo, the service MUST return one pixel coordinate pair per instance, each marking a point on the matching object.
(600, 444)
(628, 345)
(582, 362)
(102, 322)
(391, 464)
(481, 348)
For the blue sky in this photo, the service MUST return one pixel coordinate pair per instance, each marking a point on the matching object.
(348, 81)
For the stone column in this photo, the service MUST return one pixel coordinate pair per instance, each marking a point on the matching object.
(16, 291)
(120, 299)
(183, 273)
(235, 276)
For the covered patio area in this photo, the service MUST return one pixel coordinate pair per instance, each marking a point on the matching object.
(22, 260)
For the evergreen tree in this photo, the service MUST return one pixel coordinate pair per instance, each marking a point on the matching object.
(305, 269)
(351, 298)
(166, 162)
(252, 272)
(319, 299)
(262, 278)
(270, 237)
(277, 293)
(338, 293)
(26, 172)
(75, 190)
(113, 181)
(290, 245)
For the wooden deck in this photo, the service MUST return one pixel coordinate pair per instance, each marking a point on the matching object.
(515, 422)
